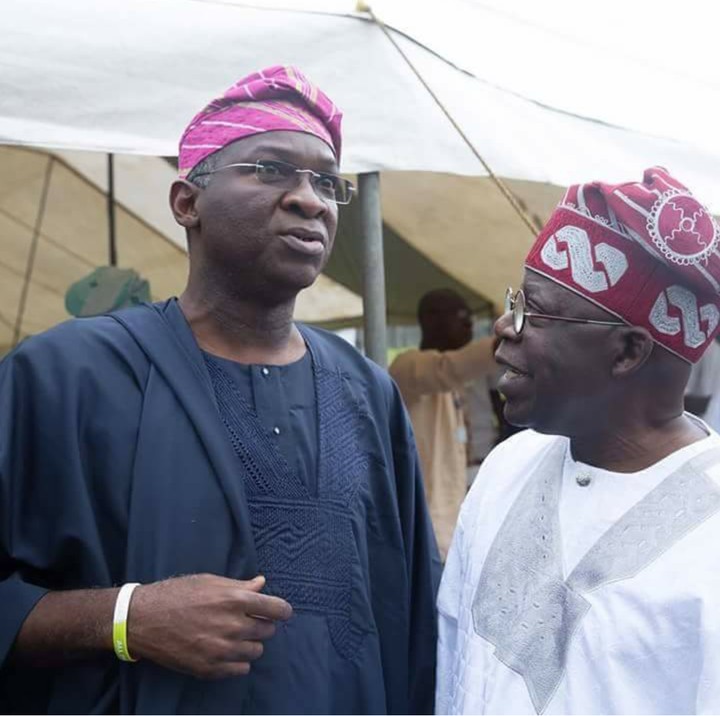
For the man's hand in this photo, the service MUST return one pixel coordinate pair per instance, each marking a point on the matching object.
(204, 625)
(208, 626)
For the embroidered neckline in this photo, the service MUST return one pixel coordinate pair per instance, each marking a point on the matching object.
(687, 452)
(305, 543)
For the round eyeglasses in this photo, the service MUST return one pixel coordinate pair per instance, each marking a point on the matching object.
(515, 304)
(286, 176)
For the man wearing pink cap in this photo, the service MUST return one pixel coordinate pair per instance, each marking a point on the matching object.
(583, 575)
(204, 506)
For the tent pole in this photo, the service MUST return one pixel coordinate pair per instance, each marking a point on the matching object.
(374, 318)
(111, 210)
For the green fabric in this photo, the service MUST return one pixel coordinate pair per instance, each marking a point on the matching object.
(106, 289)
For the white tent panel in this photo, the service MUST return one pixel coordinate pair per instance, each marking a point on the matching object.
(646, 67)
(127, 76)
(523, 140)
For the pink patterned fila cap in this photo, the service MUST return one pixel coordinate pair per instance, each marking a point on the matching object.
(647, 252)
(279, 98)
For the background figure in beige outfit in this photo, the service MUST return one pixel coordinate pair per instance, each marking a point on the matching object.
(431, 381)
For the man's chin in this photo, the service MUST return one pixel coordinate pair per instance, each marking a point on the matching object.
(292, 282)
(517, 415)
(529, 421)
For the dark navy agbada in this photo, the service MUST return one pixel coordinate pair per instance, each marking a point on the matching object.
(126, 454)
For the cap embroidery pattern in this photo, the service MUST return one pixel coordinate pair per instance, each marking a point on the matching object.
(682, 229)
(581, 257)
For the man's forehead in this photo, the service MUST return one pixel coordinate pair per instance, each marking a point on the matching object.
(295, 147)
(537, 286)
(557, 297)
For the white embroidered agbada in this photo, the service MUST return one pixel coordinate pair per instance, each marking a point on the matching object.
(570, 589)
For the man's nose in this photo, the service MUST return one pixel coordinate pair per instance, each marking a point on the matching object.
(304, 197)
(503, 327)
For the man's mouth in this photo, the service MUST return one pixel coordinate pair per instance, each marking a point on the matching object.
(512, 372)
(505, 363)
(304, 241)
(305, 234)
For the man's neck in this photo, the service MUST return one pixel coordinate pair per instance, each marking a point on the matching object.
(244, 330)
(635, 448)
(434, 343)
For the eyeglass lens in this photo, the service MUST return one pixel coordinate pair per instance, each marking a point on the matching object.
(518, 314)
(288, 176)
(515, 303)
(508, 300)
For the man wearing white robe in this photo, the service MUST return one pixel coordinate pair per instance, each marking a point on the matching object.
(584, 574)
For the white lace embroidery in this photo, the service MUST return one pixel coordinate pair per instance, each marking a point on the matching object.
(581, 257)
(686, 302)
(709, 313)
(662, 320)
(614, 260)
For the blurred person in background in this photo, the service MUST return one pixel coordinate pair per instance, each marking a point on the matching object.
(431, 380)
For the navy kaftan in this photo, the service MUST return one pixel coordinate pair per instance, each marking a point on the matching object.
(126, 455)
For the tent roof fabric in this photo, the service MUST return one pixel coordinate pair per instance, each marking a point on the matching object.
(126, 76)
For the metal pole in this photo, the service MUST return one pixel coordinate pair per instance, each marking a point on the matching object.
(111, 210)
(373, 268)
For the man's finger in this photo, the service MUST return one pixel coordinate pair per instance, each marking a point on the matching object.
(227, 670)
(266, 607)
(247, 651)
(259, 629)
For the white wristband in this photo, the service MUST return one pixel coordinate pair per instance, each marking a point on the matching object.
(122, 606)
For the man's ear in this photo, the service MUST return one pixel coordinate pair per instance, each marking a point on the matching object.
(183, 203)
(633, 346)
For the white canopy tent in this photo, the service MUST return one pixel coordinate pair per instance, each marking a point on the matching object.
(125, 76)
(546, 95)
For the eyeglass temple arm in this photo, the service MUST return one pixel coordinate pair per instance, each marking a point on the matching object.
(529, 314)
